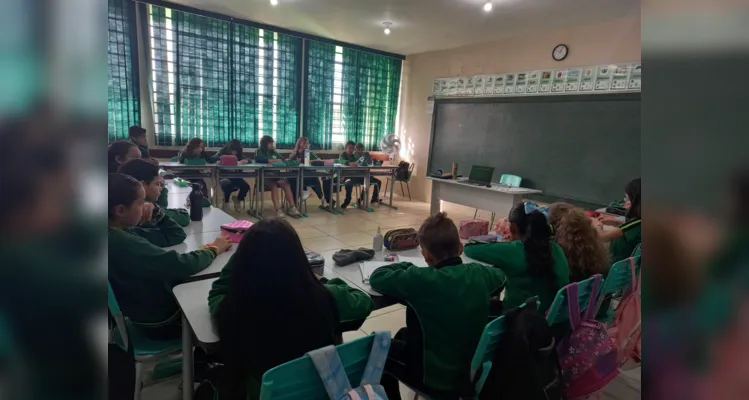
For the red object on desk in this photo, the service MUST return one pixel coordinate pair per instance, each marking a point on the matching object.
(592, 214)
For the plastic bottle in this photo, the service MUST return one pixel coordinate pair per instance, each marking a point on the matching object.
(306, 157)
(196, 203)
(377, 240)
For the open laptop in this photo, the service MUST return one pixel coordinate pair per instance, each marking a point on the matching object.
(481, 175)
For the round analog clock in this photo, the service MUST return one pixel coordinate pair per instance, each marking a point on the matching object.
(560, 52)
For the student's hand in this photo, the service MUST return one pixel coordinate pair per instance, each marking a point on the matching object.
(147, 212)
(608, 220)
(222, 243)
(242, 162)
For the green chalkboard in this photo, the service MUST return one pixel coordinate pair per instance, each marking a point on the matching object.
(579, 148)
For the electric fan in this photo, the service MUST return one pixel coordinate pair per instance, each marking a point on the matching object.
(390, 145)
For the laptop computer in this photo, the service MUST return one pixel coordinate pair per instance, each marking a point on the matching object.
(481, 175)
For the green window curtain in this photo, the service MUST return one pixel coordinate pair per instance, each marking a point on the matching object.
(123, 102)
(285, 81)
(245, 45)
(164, 71)
(318, 109)
(378, 85)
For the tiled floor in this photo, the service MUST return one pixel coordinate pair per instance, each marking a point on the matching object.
(327, 233)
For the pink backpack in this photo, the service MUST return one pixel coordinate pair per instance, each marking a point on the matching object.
(473, 227)
(588, 357)
(236, 229)
(626, 328)
(230, 160)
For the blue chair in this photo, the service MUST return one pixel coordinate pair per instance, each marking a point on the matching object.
(128, 337)
(558, 312)
(510, 180)
(298, 379)
(618, 279)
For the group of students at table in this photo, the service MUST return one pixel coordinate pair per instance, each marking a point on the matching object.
(122, 151)
(269, 308)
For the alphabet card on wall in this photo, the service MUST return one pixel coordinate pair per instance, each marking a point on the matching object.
(478, 85)
(445, 83)
(488, 85)
(544, 85)
(509, 83)
(521, 83)
(499, 84)
(469, 86)
(532, 87)
(603, 78)
(635, 78)
(621, 77)
(560, 77)
(572, 84)
(437, 87)
(587, 79)
(460, 86)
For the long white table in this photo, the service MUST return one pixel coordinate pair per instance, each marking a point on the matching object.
(497, 198)
(193, 242)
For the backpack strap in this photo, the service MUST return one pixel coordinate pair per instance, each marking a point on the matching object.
(573, 307)
(633, 269)
(591, 309)
(377, 357)
(330, 369)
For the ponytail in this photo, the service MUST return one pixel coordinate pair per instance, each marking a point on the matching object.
(535, 231)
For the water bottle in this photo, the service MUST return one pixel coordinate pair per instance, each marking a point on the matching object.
(196, 203)
(306, 157)
(377, 240)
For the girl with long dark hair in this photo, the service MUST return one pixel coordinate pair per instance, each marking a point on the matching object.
(267, 153)
(233, 148)
(625, 237)
(120, 152)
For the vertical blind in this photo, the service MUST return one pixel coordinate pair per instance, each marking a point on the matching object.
(123, 102)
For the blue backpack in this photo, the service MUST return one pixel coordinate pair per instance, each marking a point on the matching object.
(333, 375)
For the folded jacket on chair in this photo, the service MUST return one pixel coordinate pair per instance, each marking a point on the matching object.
(348, 256)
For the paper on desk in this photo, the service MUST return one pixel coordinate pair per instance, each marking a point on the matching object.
(417, 261)
(367, 267)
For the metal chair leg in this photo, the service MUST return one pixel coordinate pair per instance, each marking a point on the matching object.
(138, 380)
(403, 192)
(387, 185)
(409, 191)
(475, 213)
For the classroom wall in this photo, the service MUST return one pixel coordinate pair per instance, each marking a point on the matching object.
(608, 42)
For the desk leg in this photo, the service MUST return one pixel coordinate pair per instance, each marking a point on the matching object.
(367, 180)
(187, 361)
(260, 191)
(434, 207)
(302, 204)
(338, 192)
(330, 199)
(392, 186)
(216, 186)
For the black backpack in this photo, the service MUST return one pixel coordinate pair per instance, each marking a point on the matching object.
(402, 172)
(525, 366)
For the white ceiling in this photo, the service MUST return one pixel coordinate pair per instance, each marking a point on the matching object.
(419, 25)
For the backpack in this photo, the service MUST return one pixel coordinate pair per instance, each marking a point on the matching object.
(333, 375)
(626, 328)
(401, 239)
(525, 365)
(588, 356)
(402, 172)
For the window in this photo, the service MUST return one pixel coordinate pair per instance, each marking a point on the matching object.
(217, 80)
(123, 102)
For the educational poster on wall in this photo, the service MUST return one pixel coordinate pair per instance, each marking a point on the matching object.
(478, 85)
(469, 86)
(621, 76)
(587, 79)
(499, 84)
(452, 87)
(444, 83)
(544, 85)
(533, 78)
(488, 85)
(603, 78)
(509, 83)
(461, 86)
(572, 84)
(521, 82)
(557, 85)
(635, 78)
(437, 87)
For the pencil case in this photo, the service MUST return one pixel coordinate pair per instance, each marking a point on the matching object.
(473, 227)
(236, 229)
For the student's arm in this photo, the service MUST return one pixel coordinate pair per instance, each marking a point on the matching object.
(393, 280)
(164, 233)
(494, 278)
(277, 157)
(163, 200)
(353, 304)
(313, 156)
(342, 159)
(181, 157)
(500, 255)
(179, 216)
(153, 262)
(610, 234)
(220, 286)
(214, 158)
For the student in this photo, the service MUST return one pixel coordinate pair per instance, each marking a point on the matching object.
(535, 265)
(298, 155)
(447, 309)
(155, 225)
(349, 157)
(138, 137)
(195, 150)
(233, 148)
(120, 152)
(625, 238)
(264, 294)
(267, 153)
(141, 273)
(578, 238)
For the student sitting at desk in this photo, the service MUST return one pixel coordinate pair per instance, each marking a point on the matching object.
(297, 154)
(573, 231)
(625, 238)
(138, 137)
(120, 152)
(264, 294)
(351, 158)
(267, 153)
(195, 150)
(534, 263)
(447, 309)
(141, 273)
(156, 225)
(233, 148)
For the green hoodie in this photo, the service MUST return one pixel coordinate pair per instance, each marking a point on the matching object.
(161, 230)
(622, 247)
(179, 215)
(268, 155)
(345, 158)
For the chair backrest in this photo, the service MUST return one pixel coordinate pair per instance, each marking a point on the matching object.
(298, 379)
(510, 180)
(119, 319)
(638, 251)
(484, 355)
(619, 276)
(558, 311)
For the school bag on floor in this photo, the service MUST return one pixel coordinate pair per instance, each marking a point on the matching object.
(626, 328)
(525, 365)
(333, 375)
(588, 356)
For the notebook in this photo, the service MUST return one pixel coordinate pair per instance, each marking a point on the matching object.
(417, 261)
(367, 267)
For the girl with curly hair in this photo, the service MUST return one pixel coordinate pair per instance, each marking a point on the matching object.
(579, 239)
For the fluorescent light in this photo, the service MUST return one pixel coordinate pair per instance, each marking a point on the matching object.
(387, 27)
(488, 6)
(274, 2)
(387, 31)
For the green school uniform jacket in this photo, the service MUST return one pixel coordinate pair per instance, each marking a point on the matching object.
(143, 151)
(142, 275)
(181, 157)
(345, 158)
(447, 308)
(161, 230)
(180, 216)
(300, 156)
(268, 155)
(623, 247)
(353, 304)
(510, 258)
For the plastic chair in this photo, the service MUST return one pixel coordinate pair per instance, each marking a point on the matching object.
(558, 311)
(298, 379)
(128, 337)
(407, 180)
(618, 279)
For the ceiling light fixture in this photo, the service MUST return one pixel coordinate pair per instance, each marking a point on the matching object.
(488, 6)
(387, 27)
(274, 2)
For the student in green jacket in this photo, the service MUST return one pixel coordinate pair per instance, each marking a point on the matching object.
(155, 225)
(350, 157)
(628, 235)
(195, 150)
(120, 152)
(534, 263)
(138, 137)
(143, 274)
(447, 309)
(229, 185)
(322, 191)
(267, 153)
(264, 294)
